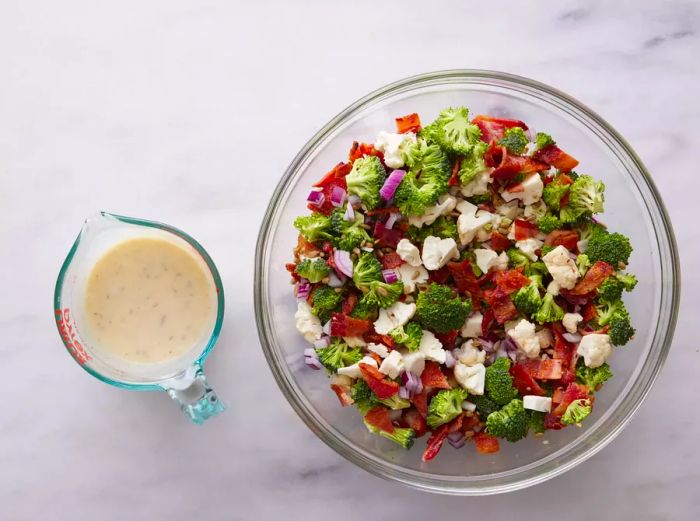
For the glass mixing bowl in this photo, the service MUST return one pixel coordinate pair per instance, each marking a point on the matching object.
(633, 207)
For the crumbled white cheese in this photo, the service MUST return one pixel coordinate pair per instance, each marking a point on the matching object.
(408, 252)
(392, 366)
(380, 349)
(437, 252)
(307, 323)
(510, 210)
(396, 315)
(393, 147)
(537, 403)
(471, 378)
(414, 362)
(571, 321)
(472, 326)
(529, 247)
(562, 267)
(595, 349)
(353, 371)
(485, 258)
(412, 275)
(545, 337)
(445, 205)
(526, 338)
(479, 185)
(531, 192)
(431, 347)
(501, 262)
(468, 354)
(354, 341)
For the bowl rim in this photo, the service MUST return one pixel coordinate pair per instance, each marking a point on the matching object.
(481, 486)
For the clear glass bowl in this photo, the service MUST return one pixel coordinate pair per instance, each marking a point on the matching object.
(634, 208)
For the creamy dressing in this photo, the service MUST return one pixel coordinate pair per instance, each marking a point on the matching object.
(149, 300)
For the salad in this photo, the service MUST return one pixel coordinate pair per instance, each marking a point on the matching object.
(454, 282)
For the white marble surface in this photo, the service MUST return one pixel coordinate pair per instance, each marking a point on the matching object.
(188, 112)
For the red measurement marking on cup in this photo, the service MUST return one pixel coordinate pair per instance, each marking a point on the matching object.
(69, 337)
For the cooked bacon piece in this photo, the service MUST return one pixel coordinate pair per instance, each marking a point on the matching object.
(556, 157)
(382, 387)
(524, 382)
(510, 281)
(327, 207)
(448, 339)
(413, 419)
(499, 242)
(349, 303)
(339, 171)
(408, 123)
(386, 237)
(546, 369)
(433, 377)
(439, 435)
(378, 417)
(454, 178)
(345, 325)
(572, 393)
(493, 129)
(566, 238)
(487, 322)
(507, 166)
(391, 260)
(485, 444)
(501, 304)
(440, 276)
(524, 229)
(341, 391)
(376, 338)
(466, 281)
(593, 278)
(358, 150)
(420, 402)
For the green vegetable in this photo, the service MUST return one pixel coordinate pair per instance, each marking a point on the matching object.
(365, 311)
(473, 163)
(444, 227)
(544, 250)
(583, 263)
(511, 422)
(549, 311)
(616, 316)
(314, 227)
(481, 198)
(366, 179)
(549, 223)
(445, 406)
(348, 235)
(514, 140)
(484, 405)
(366, 270)
(314, 270)
(536, 268)
(408, 336)
(588, 229)
(499, 383)
(543, 140)
(425, 181)
(382, 294)
(326, 300)
(396, 402)
(517, 258)
(527, 299)
(453, 131)
(613, 248)
(592, 377)
(577, 411)
(402, 436)
(338, 354)
(537, 422)
(553, 192)
(628, 280)
(611, 289)
(440, 310)
(586, 195)
(363, 396)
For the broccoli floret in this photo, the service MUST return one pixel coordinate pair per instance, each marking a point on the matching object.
(553, 193)
(314, 227)
(543, 140)
(606, 309)
(628, 280)
(577, 411)
(396, 402)
(583, 263)
(517, 258)
(365, 311)
(588, 229)
(402, 436)
(616, 316)
(366, 179)
(382, 294)
(613, 248)
(537, 422)
(549, 311)
(499, 383)
(445, 406)
(348, 235)
(527, 299)
(586, 195)
(514, 140)
(314, 270)
(408, 336)
(484, 405)
(592, 377)
(426, 180)
(536, 268)
(511, 422)
(363, 396)
(326, 300)
(440, 310)
(473, 163)
(338, 354)
(444, 227)
(481, 198)
(366, 270)
(548, 223)
(611, 289)
(453, 131)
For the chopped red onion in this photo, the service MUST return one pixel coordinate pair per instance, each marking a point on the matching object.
(412, 382)
(391, 221)
(349, 213)
(313, 363)
(303, 289)
(574, 338)
(316, 198)
(310, 352)
(403, 393)
(449, 359)
(354, 199)
(337, 196)
(391, 184)
(390, 276)
(320, 344)
(327, 328)
(343, 262)
(456, 439)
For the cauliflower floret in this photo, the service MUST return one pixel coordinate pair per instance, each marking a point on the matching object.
(380, 349)
(529, 246)
(466, 207)
(562, 267)
(553, 288)
(445, 205)
(413, 362)
(472, 326)
(353, 371)
(412, 275)
(470, 355)
(535, 211)
(431, 347)
(531, 191)
(437, 252)
(523, 334)
(595, 349)
(395, 316)
(501, 262)
(545, 337)
(392, 366)
(307, 323)
(408, 252)
(468, 224)
(393, 146)
(570, 322)
(471, 378)
(479, 185)
(355, 341)
(509, 210)
(485, 258)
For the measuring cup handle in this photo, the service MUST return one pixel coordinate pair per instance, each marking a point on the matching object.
(195, 397)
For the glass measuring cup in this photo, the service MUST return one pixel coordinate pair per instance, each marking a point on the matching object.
(182, 377)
